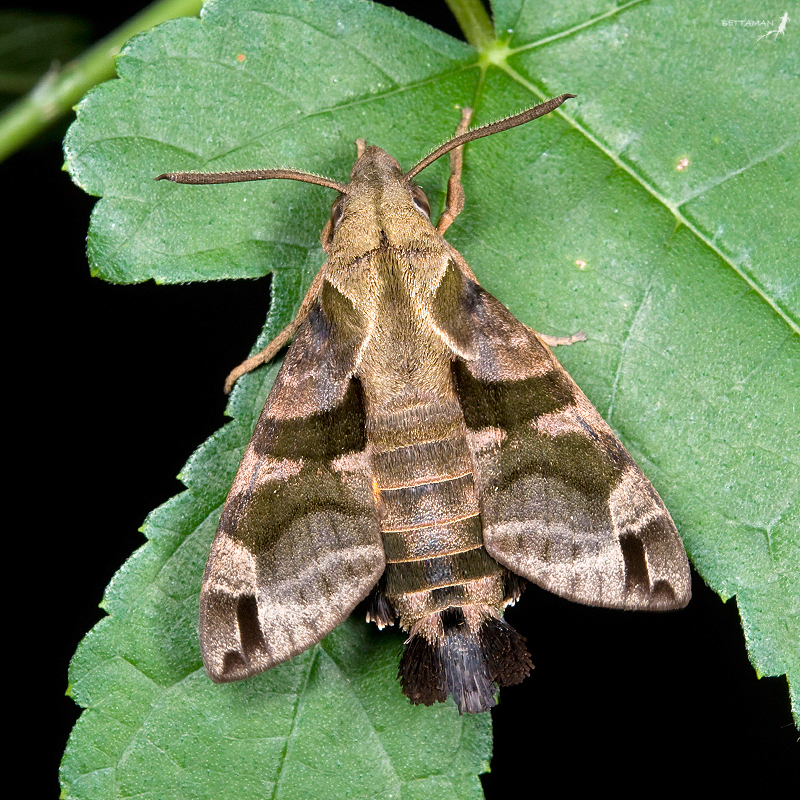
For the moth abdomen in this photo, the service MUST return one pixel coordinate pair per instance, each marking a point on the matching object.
(448, 592)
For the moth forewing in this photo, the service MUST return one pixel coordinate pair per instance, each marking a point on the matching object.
(563, 504)
(424, 447)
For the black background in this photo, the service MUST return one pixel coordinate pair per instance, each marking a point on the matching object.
(121, 383)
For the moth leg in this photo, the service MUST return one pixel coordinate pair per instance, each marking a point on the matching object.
(380, 608)
(554, 341)
(459, 261)
(455, 191)
(281, 340)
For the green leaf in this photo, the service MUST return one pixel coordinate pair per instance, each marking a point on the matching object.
(658, 212)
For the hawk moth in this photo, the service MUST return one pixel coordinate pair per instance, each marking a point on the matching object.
(422, 447)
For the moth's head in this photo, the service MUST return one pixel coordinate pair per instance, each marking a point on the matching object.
(373, 163)
(379, 196)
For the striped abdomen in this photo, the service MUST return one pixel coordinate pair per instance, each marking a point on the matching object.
(447, 590)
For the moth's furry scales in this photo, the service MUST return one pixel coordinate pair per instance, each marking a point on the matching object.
(422, 444)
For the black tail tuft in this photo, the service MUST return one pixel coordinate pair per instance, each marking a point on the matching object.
(464, 653)
(507, 657)
(421, 672)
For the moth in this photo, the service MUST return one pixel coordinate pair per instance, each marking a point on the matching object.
(424, 448)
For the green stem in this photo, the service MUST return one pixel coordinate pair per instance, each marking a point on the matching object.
(59, 90)
(473, 20)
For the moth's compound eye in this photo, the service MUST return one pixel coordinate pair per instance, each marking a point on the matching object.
(334, 221)
(421, 201)
(337, 212)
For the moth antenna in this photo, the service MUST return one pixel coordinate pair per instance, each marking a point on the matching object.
(487, 130)
(239, 176)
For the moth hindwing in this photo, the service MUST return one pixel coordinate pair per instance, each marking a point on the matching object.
(423, 447)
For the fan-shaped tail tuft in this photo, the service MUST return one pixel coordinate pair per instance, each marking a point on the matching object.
(462, 652)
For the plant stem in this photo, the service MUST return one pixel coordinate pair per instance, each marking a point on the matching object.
(60, 89)
(473, 20)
